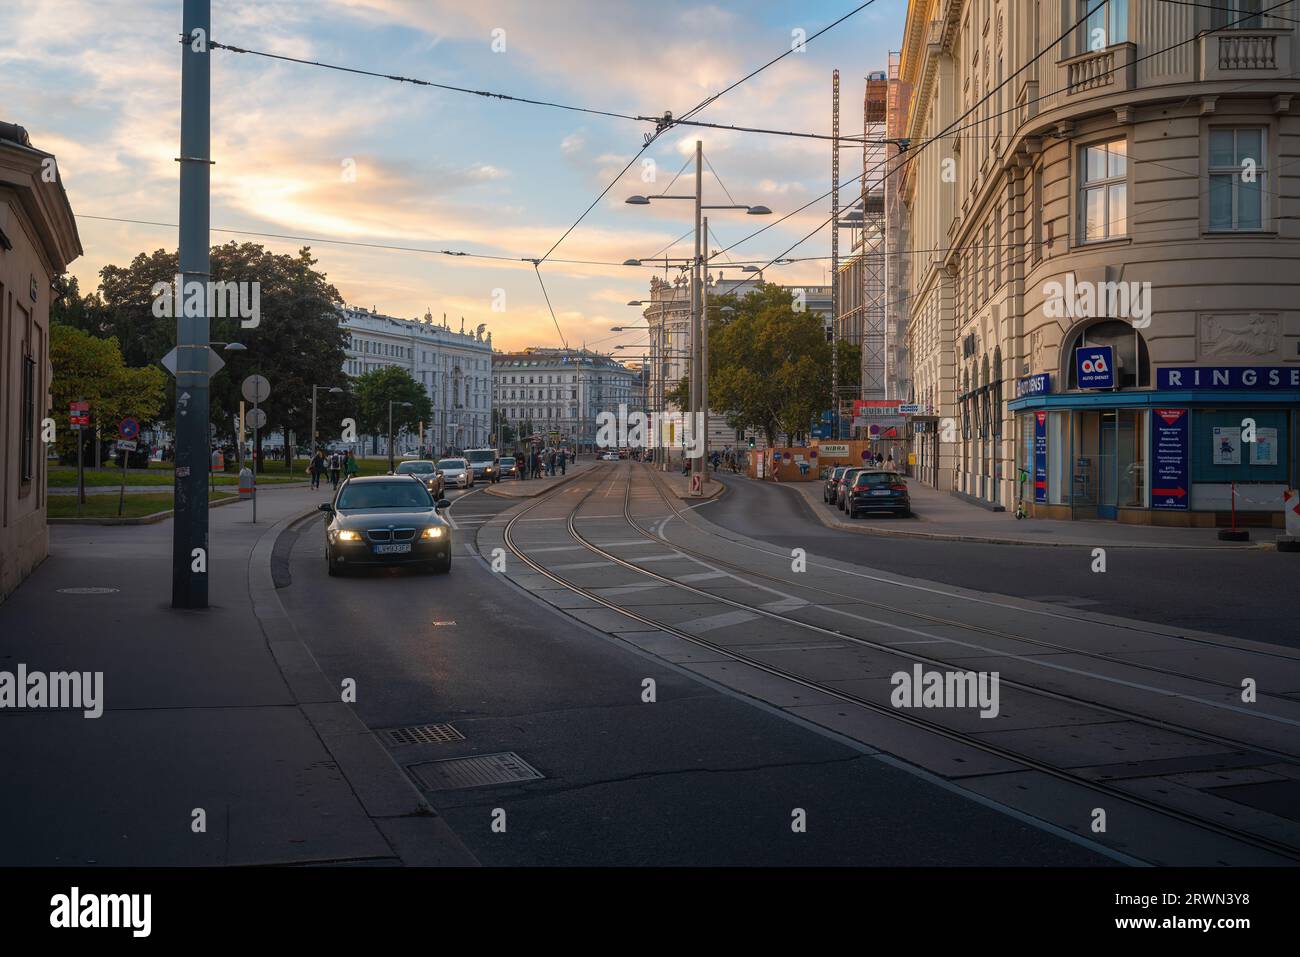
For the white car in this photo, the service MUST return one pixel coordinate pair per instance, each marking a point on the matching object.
(456, 473)
(609, 457)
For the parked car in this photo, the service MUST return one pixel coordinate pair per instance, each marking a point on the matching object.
(878, 491)
(456, 472)
(427, 472)
(385, 520)
(831, 488)
(846, 480)
(484, 463)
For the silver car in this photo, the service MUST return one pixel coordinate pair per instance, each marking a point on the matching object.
(456, 473)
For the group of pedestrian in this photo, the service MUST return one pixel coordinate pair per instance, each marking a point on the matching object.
(538, 463)
(336, 465)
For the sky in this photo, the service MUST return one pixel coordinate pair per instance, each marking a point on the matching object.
(303, 151)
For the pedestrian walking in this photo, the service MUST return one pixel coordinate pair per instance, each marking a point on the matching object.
(335, 468)
(563, 458)
(316, 468)
(350, 466)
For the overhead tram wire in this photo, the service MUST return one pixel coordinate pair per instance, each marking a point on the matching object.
(525, 100)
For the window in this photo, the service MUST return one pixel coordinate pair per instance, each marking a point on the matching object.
(1237, 159)
(1132, 361)
(1103, 190)
(1227, 13)
(1106, 25)
(27, 454)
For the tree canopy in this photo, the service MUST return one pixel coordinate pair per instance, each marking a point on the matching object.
(770, 363)
(373, 390)
(297, 343)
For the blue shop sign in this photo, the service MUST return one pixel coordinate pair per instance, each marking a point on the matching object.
(1262, 378)
(1040, 384)
(1095, 366)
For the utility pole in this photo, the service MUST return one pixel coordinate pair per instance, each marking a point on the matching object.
(835, 253)
(697, 377)
(704, 351)
(190, 529)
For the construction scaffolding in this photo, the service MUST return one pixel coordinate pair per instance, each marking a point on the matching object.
(870, 326)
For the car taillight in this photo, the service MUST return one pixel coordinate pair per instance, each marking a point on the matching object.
(898, 488)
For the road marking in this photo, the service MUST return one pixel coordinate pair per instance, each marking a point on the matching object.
(574, 566)
(714, 622)
(700, 576)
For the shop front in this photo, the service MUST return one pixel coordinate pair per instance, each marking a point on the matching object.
(1177, 453)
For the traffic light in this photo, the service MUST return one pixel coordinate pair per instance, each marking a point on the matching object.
(751, 441)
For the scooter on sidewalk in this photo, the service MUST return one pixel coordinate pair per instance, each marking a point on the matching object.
(1020, 499)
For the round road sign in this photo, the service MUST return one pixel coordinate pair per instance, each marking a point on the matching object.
(128, 428)
(255, 388)
(255, 418)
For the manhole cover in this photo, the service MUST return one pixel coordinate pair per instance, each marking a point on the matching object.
(481, 771)
(423, 734)
(86, 591)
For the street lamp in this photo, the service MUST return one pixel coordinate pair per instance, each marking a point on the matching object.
(392, 403)
(333, 390)
(699, 332)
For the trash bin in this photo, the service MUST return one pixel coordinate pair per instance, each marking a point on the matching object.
(246, 484)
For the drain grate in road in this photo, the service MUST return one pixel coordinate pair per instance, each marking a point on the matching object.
(484, 770)
(423, 734)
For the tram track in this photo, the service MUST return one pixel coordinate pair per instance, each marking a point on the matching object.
(1282, 849)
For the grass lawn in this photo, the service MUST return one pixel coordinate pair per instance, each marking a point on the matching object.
(66, 477)
(105, 506)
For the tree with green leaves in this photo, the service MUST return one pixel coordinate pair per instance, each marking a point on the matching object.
(296, 344)
(372, 392)
(89, 369)
(769, 363)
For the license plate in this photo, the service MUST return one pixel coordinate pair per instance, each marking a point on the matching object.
(881, 491)
(393, 549)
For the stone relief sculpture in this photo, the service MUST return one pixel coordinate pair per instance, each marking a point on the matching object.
(1250, 334)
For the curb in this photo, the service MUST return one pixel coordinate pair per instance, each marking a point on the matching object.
(829, 522)
(490, 490)
(385, 792)
(150, 519)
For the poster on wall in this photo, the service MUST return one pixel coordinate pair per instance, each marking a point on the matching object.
(1169, 459)
(1040, 457)
(1226, 448)
(1263, 451)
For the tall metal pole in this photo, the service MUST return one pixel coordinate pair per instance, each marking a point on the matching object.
(390, 435)
(190, 528)
(704, 350)
(311, 443)
(835, 253)
(696, 353)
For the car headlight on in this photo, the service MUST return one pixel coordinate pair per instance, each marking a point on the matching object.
(347, 535)
(433, 532)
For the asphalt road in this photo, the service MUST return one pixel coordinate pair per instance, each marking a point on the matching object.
(1247, 594)
(699, 777)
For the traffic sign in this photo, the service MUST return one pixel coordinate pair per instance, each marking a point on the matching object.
(128, 428)
(79, 414)
(215, 362)
(909, 409)
(255, 418)
(126, 444)
(255, 388)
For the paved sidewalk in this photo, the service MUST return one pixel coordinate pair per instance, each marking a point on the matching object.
(208, 710)
(161, 489)
(940, 515)
(531, 488)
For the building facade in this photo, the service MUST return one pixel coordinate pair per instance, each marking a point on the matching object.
(558, 393)
(455, 369)
(1099, 243)
(38, 238)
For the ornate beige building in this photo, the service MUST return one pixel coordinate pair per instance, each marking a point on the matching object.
(38, 238)
(1103, 240)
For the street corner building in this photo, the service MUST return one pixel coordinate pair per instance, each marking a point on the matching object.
(1100, 256)
(38, 238)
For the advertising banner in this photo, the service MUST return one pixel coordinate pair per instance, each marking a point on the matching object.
(1169, 455)
(1040, 457)
(1095, 366)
